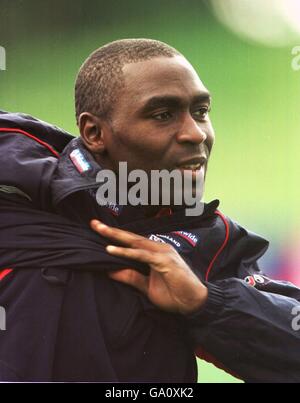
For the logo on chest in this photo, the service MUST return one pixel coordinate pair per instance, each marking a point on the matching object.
(181, 240)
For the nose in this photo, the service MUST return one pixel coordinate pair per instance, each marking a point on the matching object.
(191, 132)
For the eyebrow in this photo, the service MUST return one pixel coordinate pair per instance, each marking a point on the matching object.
(172, 101)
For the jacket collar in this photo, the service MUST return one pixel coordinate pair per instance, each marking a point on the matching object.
(76, 170)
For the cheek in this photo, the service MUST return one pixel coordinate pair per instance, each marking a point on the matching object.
(143, 143)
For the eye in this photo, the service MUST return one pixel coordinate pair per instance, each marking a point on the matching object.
(162, 116)
(201, 113)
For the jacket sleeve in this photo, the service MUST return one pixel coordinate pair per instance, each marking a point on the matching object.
(34, 239)
(250, 324)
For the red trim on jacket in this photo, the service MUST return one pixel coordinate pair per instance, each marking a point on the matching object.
(221, 247)
(4, 273)
(190, 241)
(13, 130)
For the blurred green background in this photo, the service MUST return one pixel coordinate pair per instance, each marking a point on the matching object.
(254, 168)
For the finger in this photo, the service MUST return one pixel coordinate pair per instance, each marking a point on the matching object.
(132, 278)
(125, 237)
(140, 255)
(115, 234)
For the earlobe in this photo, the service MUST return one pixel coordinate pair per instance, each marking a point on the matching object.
(91, 130)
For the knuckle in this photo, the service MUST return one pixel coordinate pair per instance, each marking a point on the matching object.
(137, 243)
(166, 247)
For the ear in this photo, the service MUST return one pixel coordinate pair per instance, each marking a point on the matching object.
(92, 132)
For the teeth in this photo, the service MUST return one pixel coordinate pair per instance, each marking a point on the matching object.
(193, 167)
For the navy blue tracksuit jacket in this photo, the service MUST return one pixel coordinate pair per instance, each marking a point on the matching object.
(67, 321)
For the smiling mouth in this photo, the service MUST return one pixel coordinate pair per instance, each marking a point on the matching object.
(192, 167)
(195, 164)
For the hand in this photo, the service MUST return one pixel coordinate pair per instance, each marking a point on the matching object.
(171, 285)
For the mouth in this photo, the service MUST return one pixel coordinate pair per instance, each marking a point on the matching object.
(193, 164)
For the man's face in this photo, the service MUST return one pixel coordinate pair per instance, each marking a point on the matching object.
(160, 120)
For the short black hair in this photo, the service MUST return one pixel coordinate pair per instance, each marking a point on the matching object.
(100, 78)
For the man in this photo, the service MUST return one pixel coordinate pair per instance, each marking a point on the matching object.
(136, 302)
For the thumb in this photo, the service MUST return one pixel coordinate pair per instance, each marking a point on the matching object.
(131, 277)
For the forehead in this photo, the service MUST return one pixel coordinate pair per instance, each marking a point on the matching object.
(159, 76)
